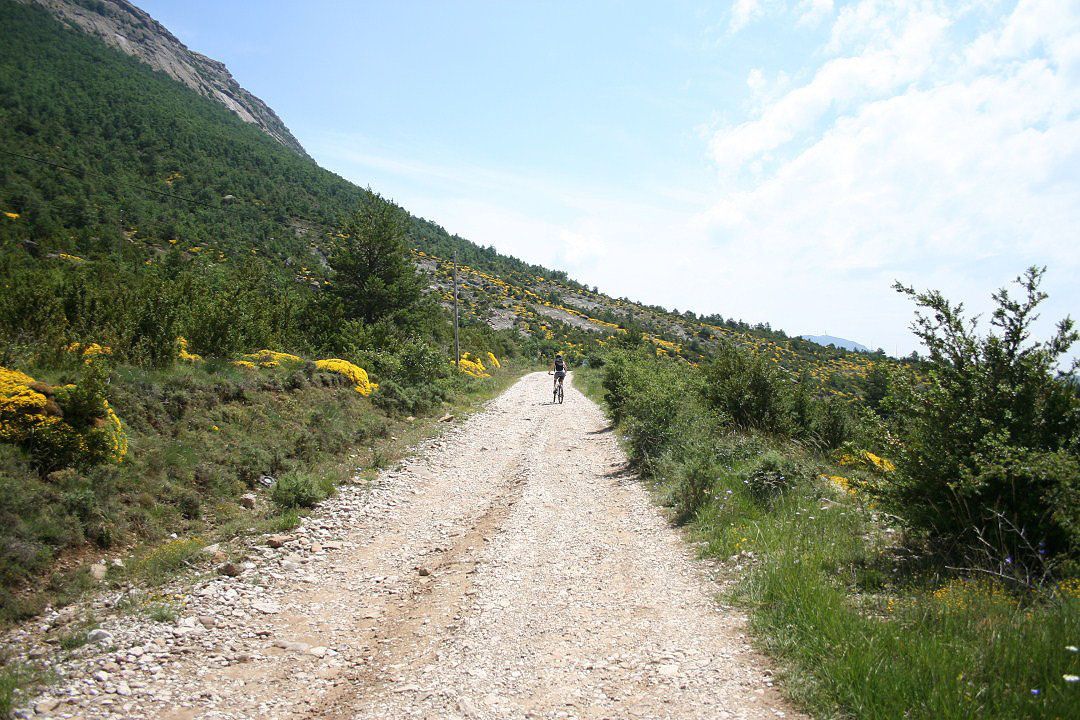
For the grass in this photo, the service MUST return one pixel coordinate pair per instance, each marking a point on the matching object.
(858, 629)
(14, 676)
(200, 437)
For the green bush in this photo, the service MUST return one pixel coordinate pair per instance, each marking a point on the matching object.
(749, 390)
(772, 475)
(654, 398)
(832, 423)
(300, 490)
(989, 439)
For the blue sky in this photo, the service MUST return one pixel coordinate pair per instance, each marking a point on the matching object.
(779, 162)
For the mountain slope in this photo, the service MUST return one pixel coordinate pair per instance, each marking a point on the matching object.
(127, 28)
(157, 168)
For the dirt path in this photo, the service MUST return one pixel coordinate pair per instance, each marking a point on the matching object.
(511, 570)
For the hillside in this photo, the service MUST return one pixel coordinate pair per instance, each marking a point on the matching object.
(122, 25)
(156, 167)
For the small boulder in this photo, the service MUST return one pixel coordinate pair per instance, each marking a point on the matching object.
(276, 541)
(46, 706)
(99, 636)
(229, 569)
(248, 500)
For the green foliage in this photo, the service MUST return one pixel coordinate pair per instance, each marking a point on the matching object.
(652, 398)
(990, 439)
(300, 490)
(161, 564)
(373, 276)
(748, 390)
(13, 676)
(772, 474)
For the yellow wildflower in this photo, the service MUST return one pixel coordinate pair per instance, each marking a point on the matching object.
(1069, 588)
(357, 374)
(472, 367)
(272, 358)
(88, 352)
(182, 351)
(494, 360)
(964, 594)
(13, 216)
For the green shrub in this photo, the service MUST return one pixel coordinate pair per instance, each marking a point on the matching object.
(988, 441)
(749, 390)
(772, 475)
(160, 564)
(300, 490)
(409, 400)
(832, 423)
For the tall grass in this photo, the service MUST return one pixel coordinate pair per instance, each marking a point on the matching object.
(861, 625)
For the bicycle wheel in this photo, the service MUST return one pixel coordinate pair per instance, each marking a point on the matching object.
(560, 393)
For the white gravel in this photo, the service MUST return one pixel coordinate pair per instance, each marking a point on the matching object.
(512, 569)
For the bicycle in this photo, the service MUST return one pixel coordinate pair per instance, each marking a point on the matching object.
(557, 392)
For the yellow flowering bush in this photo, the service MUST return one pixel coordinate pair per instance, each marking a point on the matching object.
(245, 364)
(868, 460)
(59, 426)
(473, 367)
(88, 352)
(842, 482)
(182, 351)
(494, 361)
(272, 358)
(357, 374)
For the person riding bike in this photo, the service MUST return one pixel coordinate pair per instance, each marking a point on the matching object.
(560, 369)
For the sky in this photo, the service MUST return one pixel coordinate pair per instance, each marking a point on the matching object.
(777, 162)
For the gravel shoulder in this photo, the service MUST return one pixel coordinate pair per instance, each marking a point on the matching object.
(511, 569)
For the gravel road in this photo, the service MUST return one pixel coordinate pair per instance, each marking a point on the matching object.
(511, 569)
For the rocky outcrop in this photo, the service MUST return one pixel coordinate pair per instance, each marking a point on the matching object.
(126, 27)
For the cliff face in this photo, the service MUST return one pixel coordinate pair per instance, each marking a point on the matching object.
(124, 26)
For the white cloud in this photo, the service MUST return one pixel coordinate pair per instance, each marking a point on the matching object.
(837, 85)
(813, 12)
(743, 12)
(920, 155)
(915, 149)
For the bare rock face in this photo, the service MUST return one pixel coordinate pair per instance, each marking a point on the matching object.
(126, 27)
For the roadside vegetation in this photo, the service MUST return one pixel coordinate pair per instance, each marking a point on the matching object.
(914, 556)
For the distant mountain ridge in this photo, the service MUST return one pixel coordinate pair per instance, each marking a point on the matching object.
(127, 28)
(839, 342)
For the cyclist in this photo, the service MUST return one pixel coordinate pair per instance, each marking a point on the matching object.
(560, 369)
